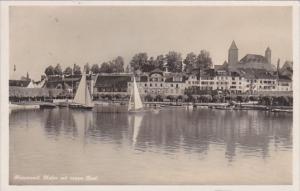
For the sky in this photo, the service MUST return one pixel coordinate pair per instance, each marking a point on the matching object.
(46, 35)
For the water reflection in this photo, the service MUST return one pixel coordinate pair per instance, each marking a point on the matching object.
(250, 133)
(135, 122)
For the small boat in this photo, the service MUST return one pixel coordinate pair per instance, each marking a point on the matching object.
(23, 105)
(135, 104)
(224, 107)
(282, 110)
(83, 98)
(189, 106)
(47, 105)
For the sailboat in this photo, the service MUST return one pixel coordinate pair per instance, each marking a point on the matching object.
(135, 103)
(83, 98)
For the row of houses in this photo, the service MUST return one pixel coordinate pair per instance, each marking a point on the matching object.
(242, 81)
(253, 74)
(157, 82)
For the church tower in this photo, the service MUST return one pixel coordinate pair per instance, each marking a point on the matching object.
(268, 55)
(233, 54)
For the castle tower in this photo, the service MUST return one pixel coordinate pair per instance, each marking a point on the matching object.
(268, 55)
(233, 54)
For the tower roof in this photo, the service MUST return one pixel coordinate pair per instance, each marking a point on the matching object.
(268, 49)
(233, 46)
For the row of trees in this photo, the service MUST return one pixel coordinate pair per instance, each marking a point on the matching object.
(205, 98)
(173, 61)
(140, 61)
(115, 65)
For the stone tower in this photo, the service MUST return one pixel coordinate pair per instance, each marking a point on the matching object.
(233, 54)
(268, 55)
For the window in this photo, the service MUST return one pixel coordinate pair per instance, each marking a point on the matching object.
(145, 85)
(233, 78)
(150, 85)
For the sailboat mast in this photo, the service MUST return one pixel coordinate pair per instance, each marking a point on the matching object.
(134, 91)
(85, 88)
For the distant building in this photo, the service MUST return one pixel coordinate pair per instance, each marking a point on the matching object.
(233, 54)
(250, 60)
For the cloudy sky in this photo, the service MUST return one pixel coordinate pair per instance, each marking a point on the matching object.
(42, 36)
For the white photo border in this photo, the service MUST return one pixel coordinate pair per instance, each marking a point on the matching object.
(4, 68)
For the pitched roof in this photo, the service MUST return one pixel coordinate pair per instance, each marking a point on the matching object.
(19, 83)
(157, 70)
(253, 58)
(172, 77)
(284, 78)
(116, 81)
(224, 66)
(233, 46)
(33, 92)
(254, 73)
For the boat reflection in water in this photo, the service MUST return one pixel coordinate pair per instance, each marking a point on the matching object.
(176, 146)
(135, 122)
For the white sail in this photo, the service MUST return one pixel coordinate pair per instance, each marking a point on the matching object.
(136, 95)
(130, 104)
(80, 93)
(88, 97)
(83, 95)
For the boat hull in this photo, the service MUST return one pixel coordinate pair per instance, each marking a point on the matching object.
(47, 106)
(79, 106)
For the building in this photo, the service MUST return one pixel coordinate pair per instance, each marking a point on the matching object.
(108, 83)
(253, 74)
(158, 82)
(254, 61)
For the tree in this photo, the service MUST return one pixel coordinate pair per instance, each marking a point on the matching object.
(190, 62)
(95, 69)
(117, 64)
(159, 62)
(68, 71)
(174, 61)
(203, 60)
(127, 69)
(105, 68)
(149, 65)
(58, 70)
(87, 68)
(76, 69)
(49, 71)
(138, 61)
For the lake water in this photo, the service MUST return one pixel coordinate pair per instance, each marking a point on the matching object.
(173, 146)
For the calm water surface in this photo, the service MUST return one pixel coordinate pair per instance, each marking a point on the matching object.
(174, 146)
